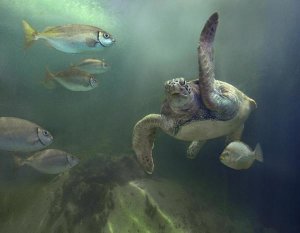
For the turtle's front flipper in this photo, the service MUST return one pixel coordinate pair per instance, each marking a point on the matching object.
(205, 52)
(143, 140)
(215, 97)
(194, 149)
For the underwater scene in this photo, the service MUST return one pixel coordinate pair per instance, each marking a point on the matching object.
(149, 116)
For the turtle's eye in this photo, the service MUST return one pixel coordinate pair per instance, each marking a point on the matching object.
(182, 81)
(189, 89)
(106, 35)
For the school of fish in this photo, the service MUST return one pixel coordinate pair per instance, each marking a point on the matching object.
(23, 136)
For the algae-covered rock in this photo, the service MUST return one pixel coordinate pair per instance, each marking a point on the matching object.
(114, 196)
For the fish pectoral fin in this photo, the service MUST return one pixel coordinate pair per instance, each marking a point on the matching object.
(90, 42)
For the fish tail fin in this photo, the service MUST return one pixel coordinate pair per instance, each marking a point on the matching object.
(19, 162)
(30, 34)
(258, 153)
(49, 82)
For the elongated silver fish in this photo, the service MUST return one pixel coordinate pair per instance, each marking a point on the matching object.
(72, 38)
(71, 79)
(92, 66)
(237, 155)
(49, 161)
(21, 135)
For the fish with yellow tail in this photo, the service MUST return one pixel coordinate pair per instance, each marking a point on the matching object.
(21, 135)
(71, 79)
(50, 161)
(72, 38)
(92, 66)
(237, 155)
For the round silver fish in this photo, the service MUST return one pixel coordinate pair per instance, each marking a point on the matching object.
(21, 135)
(238, 155)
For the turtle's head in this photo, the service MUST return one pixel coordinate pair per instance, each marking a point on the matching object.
(179, 93)
(177, 87)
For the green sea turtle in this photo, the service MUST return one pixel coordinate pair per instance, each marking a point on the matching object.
(196, 110)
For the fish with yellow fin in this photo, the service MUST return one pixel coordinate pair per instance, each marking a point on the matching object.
(71, 79)
(72, 38)
(92, 66)
(49, 161)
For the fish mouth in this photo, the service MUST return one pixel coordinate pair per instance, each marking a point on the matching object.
(222, 157)
(108, 45)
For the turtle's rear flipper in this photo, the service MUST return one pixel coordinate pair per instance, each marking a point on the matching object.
(143, 140)
(194, 149)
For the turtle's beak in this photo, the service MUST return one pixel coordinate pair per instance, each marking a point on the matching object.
(172, 88)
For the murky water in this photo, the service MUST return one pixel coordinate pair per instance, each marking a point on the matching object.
(256, 50)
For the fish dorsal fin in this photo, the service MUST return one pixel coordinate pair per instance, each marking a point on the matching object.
(90, 42)
(91, 60)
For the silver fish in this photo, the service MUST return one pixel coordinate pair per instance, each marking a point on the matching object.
(72, 38)
(71, 79)
(237, 155)
(92, 66)
(21, 135)
(50, 161)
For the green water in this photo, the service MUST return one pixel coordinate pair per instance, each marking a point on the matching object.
(155, 41)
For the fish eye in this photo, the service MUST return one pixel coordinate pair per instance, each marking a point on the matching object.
(106, 35)
(226, 154)
(46, 133)
(93, 81)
